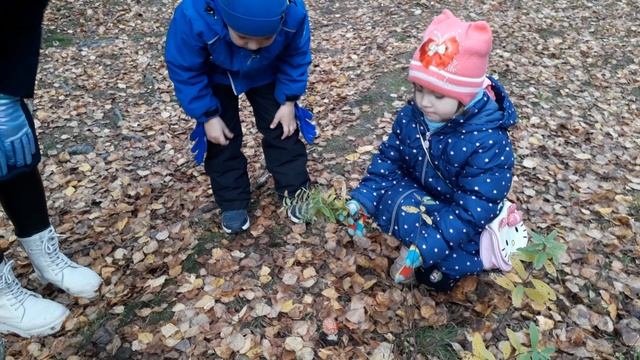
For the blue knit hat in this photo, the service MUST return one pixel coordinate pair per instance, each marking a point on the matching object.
(257, 18)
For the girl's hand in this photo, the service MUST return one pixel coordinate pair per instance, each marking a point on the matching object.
(217, 132)
(356, 218)
(285, 116)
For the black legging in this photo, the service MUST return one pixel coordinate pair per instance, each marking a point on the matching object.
(25, 203)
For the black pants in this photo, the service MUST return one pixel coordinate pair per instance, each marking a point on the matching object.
(441, 283)
(227, 166)
(24, 201)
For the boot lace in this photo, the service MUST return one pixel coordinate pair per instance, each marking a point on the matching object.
(58, 260)
(17, 294)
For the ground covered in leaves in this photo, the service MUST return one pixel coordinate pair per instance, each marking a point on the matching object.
(123, 188)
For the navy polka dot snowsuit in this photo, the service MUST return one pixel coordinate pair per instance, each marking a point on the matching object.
(462, 172)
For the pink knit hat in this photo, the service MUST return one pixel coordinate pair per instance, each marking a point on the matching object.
(452, 59)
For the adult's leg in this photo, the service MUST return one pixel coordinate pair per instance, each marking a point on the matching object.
(226, 165)
(286, 158)
(25, 203)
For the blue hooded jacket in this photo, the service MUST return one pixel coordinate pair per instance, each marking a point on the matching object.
(464, 168)
(199, 53)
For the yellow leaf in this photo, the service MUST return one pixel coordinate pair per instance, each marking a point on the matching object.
(513, 339)
(145, 337)
(537, 296)
(207, 302)
(287, 306)
(513, 277)
(519, 268)
(613, 311)
(505, 348)
(352, 157)
(364, 149)
(517, 295)
(156, 282)
(525, 256)
(69, 191)
(427, 219)
(84, 167)
(504, 282)
(479, 349)
(548, 265)
(411, 209)
(216, 282)
(330, 293)
(544, 288)
(121, 224)
(605, 211)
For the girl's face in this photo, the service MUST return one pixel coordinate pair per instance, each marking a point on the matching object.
(436, 107)
(250, 42)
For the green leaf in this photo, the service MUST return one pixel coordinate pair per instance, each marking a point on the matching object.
(532, 249)
(534, 335)
(539, 261)
(517, 295)
(525, 356)
(327, 213)
(537, 238)
(411, 209)
(548, 351)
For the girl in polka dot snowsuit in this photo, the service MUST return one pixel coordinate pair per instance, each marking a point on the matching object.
(448, 151)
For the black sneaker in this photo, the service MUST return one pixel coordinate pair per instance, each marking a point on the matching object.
(234, 221)
(296, 214)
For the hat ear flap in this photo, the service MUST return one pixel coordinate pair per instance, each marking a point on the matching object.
(480, 31)
(443, 17)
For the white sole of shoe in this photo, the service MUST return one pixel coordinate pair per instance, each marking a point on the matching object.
(44, 331)
(244, 227)
(293, 218)
(85, 294)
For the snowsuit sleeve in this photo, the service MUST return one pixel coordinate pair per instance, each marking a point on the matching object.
(384, 170)
(294, 61)
(187, 59)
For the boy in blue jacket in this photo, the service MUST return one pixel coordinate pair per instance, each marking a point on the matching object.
(219, 49)
(449, 152)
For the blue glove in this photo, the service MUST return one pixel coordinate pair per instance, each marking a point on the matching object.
(3, 162)
(16, 137)
(307, 127)
(199, 138)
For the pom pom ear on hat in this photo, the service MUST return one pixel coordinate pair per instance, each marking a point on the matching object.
(257, 18)
(453, 57)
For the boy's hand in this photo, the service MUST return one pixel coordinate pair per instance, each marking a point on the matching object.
(286, 117)
(217, 132)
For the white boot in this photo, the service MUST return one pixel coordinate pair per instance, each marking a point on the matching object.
(53, 266)
(24, 312)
